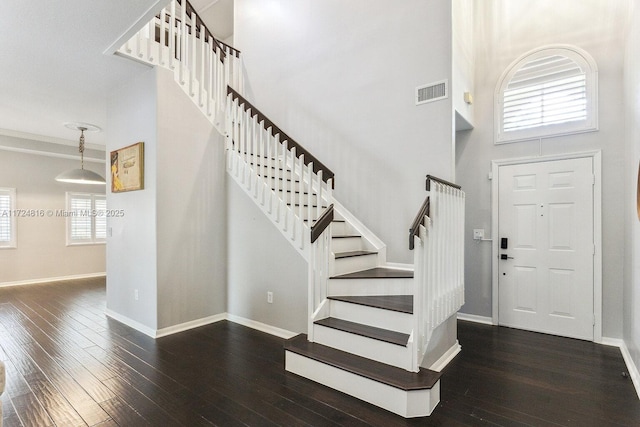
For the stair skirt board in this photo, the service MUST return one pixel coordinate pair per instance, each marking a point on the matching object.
(406, 403)
(380, 351)
(361, 287)
(371, 316)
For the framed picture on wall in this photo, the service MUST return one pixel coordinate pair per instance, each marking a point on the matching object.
(127, 168)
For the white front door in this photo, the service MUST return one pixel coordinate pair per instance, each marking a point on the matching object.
(545, 275)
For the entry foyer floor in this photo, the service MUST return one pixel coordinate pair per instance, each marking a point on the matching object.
(68, 364)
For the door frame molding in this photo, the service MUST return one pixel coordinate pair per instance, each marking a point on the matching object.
(596, 157)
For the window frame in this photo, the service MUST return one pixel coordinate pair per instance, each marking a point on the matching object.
(590, 124)
(13, 242)
(93, 240)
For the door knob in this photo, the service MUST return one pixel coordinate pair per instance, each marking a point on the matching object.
(505, 256)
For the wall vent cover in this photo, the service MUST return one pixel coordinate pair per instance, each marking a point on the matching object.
(432, 92)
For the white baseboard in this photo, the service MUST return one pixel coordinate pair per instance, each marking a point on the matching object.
(190, 325)
(631, 367)
(447, 357)
(475, 318)
(628, 360)
(52, 279)
(158, 333)
(263, 327)
(131, 323)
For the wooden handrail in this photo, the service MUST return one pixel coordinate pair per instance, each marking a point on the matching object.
(415, 226)
(441, 181)
(232, 49)
(327, 174)
(199, 22)
(322, 223)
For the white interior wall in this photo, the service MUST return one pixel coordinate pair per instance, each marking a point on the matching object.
(191, 209)
(132, 245)
(632, 222)
(340, 78)
(504, 31)
(42, 252)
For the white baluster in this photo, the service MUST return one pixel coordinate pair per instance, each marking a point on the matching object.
(139, 44)
(227, 71)
(151, 37)
(319, 194)
(210, 59)
(183, 41)
(270, 171)
(163, 36)
(301, 193)
(193, 60)
(261, 162)
(278, 175)
(202, 62)
(172, 35)
(310, 212)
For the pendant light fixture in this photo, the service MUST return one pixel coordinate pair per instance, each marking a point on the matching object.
(81, 176)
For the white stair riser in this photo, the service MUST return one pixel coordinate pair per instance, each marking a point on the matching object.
(352, 264)
(376, 317)
(408, 404)
(391, 354)
(346, 244)
(359, 287)
(340, 228)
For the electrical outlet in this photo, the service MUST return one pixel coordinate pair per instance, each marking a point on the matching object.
(135, 295)
(478, 233)
(270, 297)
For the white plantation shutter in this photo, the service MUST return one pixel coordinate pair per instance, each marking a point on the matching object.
(7, 219)
(101, 219)
(80, 211)
(86, 220)
(549, 92)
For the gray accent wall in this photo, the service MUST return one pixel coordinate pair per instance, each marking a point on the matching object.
(170, 246)
(498, 42)
(132, 242)
(191, 210)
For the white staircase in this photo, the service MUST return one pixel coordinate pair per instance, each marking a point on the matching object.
(369, 325)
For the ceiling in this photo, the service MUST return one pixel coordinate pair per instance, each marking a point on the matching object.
(54, 67)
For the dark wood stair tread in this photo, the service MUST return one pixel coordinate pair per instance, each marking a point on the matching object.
(378, 273)
(350, 236)
(353, 253)
(392, 337)
(367, 368)
(400, 303)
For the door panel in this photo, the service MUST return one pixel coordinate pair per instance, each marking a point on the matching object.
(546, 281)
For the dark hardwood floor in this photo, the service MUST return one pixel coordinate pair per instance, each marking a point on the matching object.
(68, 364)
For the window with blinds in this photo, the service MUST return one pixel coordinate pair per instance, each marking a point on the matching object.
(7, 218)
(86, 218)
(548, 92)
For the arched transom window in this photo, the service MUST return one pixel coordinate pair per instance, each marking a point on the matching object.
(547, 92)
